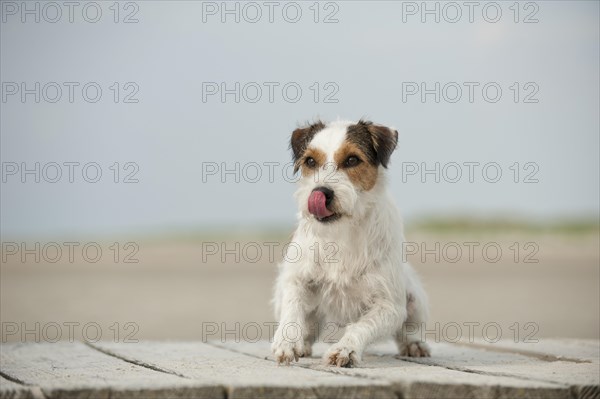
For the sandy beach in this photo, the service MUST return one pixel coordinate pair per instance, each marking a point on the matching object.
(548, 288)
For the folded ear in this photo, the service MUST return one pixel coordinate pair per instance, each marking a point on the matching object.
(384, 141)
(301, 137)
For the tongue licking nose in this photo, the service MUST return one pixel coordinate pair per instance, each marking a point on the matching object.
(317, 205)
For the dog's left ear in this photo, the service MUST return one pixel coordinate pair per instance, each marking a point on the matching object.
(384, 140)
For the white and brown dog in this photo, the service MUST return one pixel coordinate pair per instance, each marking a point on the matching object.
(352, 270)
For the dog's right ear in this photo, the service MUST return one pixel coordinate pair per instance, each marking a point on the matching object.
(385, 141)
(300, 139)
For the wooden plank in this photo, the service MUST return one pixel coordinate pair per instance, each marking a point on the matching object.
(246, 376)
(569, 349)
(12, 390)
(415, 380)
(74, 370)
(580, 375)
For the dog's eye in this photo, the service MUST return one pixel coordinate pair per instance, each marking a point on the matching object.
(310, 162)
(351, 161)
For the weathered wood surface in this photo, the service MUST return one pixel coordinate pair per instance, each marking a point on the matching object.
(245, 376)
(74, 370)
(548, 369)
(12, 390)
(435, 377)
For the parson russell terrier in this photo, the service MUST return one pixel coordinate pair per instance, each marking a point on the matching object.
(351, 271)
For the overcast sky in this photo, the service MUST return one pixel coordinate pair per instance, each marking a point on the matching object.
(171, 129)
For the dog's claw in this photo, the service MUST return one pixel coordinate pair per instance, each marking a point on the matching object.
(286, 352)
(341, 357)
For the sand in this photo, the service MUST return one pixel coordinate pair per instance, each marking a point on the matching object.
(172, 294)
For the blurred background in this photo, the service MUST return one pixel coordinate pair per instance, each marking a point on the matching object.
(146, 186)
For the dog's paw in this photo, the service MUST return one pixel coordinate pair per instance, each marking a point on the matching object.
(415, 349)
(286, 351)
(341, 356)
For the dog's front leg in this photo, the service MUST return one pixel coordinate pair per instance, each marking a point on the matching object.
(382, 319)
(288, 341)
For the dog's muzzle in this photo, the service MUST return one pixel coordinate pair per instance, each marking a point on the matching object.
(319, 201)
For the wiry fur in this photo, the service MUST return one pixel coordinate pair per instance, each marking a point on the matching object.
(350, 270)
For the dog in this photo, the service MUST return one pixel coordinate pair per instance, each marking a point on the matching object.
(351, 269)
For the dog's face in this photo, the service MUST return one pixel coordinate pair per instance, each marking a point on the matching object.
(341, 165)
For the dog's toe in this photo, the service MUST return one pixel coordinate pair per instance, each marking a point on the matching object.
(415, 349)
(284, 357)
(285, 353)
(341, 357)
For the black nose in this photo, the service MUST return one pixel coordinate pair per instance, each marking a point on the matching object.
(328, 194)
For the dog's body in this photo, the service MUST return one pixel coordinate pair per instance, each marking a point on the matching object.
(346, 263)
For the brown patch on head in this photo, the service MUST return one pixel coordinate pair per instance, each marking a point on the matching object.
(377, 142)
(362, 174)
(318, 156)
(372, 145)
(301, 137)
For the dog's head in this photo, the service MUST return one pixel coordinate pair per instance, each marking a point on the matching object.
(342, 165)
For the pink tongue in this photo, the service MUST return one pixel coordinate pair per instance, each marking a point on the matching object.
(316, 205)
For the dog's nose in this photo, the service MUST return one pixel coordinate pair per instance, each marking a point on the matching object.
(328, 194)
